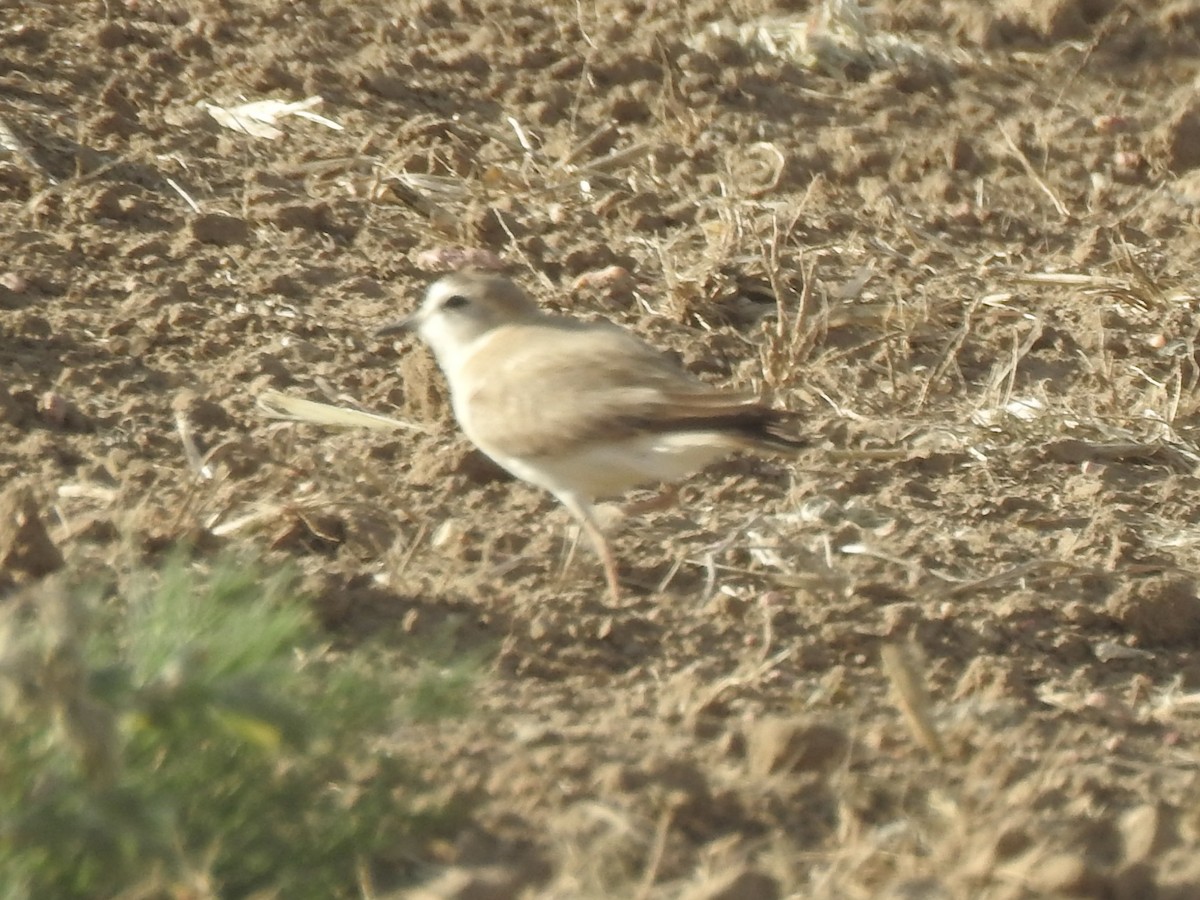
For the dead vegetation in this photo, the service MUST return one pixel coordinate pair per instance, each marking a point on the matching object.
(946, 653)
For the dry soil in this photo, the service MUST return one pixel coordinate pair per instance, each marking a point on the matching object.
(948, 652)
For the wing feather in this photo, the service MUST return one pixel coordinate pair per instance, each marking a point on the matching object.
(581, 384)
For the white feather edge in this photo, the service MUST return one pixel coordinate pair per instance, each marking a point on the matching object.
(295, 409)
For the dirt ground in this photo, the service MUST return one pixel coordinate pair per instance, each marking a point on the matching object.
(962, 664)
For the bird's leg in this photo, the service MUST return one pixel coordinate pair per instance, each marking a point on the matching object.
(581, 509)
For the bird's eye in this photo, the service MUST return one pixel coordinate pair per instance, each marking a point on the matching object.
(457, 301)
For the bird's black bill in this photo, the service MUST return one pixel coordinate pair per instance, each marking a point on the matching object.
(403, 326)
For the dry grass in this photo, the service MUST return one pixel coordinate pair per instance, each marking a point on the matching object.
(996, 349)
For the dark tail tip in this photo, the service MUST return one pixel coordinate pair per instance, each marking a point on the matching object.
(779, 429)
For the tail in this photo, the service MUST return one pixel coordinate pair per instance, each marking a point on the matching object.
(737, 417)
(749, 425)
(772, 429)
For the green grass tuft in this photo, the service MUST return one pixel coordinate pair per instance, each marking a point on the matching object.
(191, 736)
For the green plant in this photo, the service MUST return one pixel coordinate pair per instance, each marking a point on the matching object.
(191, 733)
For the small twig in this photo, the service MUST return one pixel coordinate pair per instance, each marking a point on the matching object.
(1076, 450)
(572, 157)
(1032, 173)
(714, 692)
(614, 159)
(1006, 375)
(671, 573)
(194, 457)
(911, 693)
(12, 142)
(411, 550)
(1014, 573)
(952, 348)
(542, 276)
(522, 137)
(294, 409)
(654, 861)
(182, 193)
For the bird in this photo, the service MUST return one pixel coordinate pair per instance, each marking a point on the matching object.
(582, 409)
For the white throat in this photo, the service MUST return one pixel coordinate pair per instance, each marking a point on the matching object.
(452, 340)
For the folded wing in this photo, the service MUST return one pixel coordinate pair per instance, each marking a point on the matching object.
(601, 385)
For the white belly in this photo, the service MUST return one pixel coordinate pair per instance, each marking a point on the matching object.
(601, 470)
